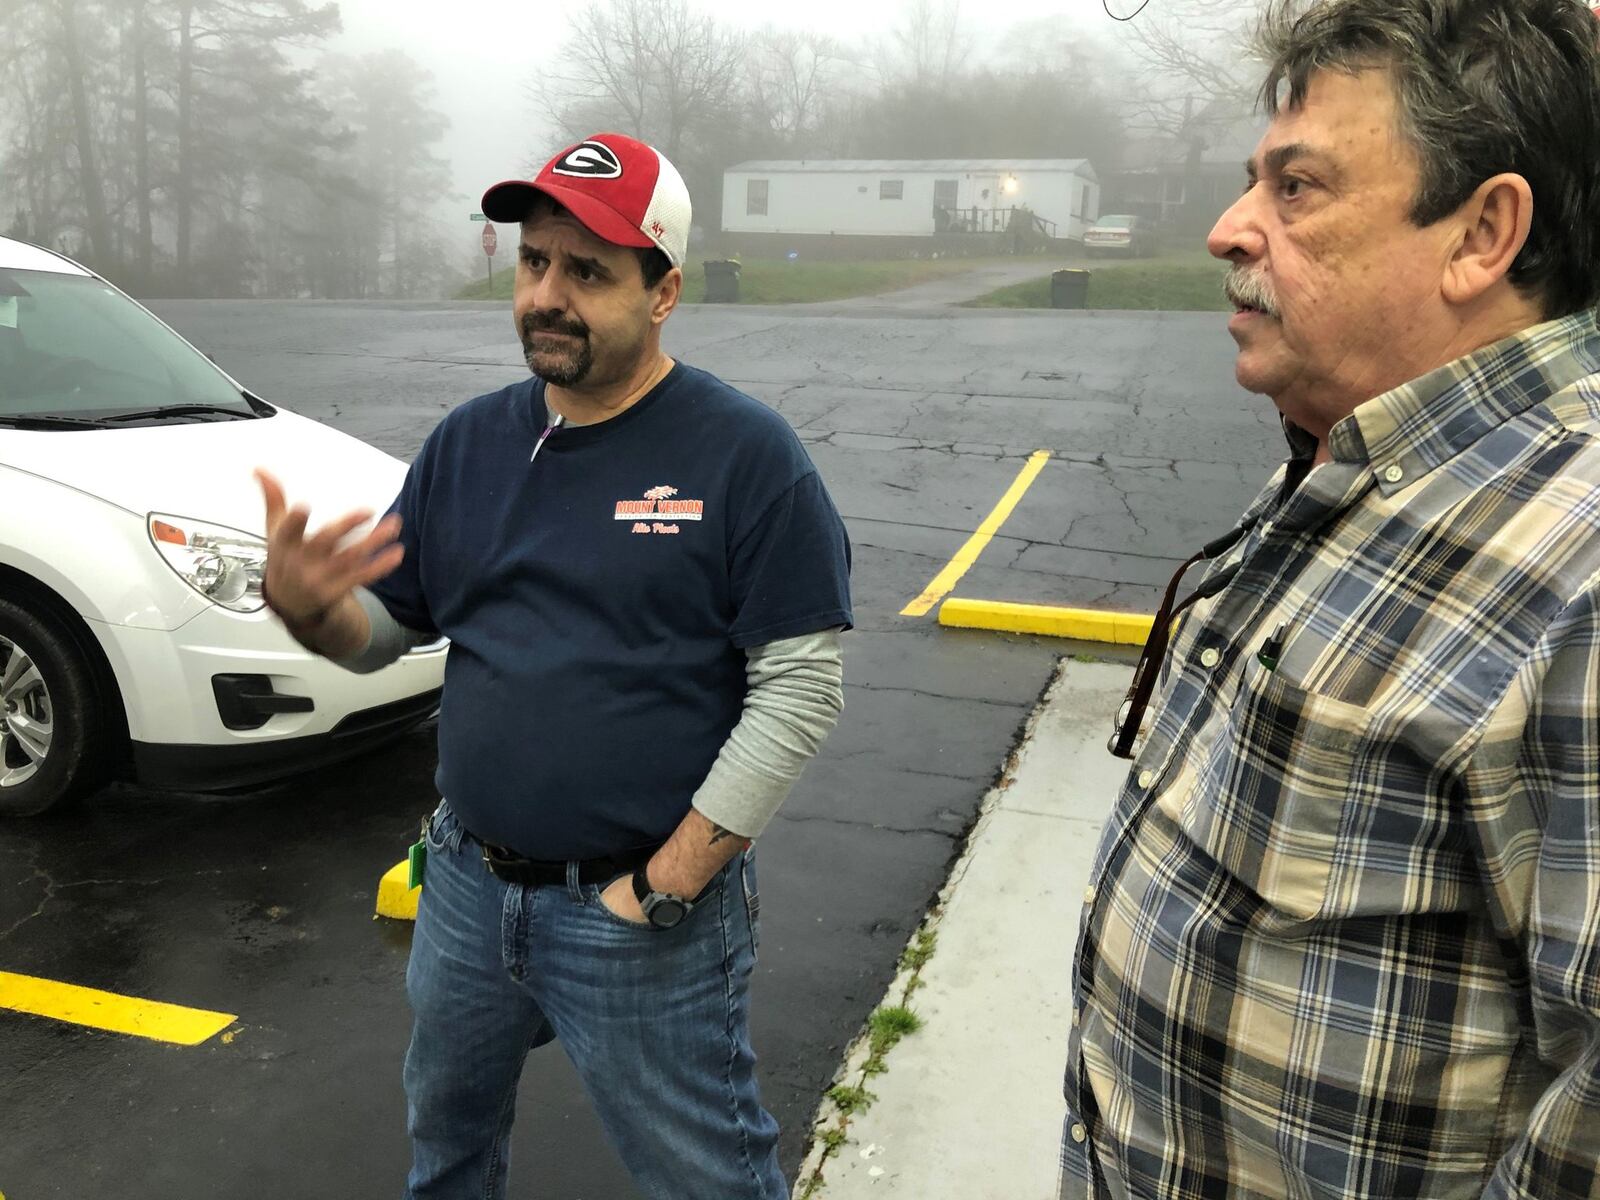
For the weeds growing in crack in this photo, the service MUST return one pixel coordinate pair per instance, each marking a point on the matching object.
(886, 1026)
(915, 956)
(850, 1098)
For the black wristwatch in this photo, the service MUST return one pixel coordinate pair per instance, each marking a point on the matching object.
(662, 909)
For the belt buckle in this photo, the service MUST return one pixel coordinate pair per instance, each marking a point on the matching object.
(497, 860)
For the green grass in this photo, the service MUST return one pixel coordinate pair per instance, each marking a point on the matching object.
(915, 956)
(1180, 283)
(887, 1025)
(483, 289)
(851, 1099)
(778, 281)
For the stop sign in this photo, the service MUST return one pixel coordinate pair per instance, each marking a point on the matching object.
(490, 240)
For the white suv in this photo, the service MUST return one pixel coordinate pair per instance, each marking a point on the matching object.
(133, 641)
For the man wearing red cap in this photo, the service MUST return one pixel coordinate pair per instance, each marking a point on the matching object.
(644, 581)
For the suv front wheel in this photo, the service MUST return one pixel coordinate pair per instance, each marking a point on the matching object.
(52, 724)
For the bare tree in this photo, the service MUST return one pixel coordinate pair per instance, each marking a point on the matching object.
(930, 46)
(1062, 47)
(697, 69)
(1192, 108)
(793, 77)
(658, 69)
(1193, 79)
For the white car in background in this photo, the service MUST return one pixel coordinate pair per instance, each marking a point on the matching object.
(133, 640)
(1121, 233)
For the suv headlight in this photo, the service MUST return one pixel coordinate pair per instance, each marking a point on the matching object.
(224, 565)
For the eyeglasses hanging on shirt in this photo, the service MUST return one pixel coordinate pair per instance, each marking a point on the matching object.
(554, 423)
(1130, 714)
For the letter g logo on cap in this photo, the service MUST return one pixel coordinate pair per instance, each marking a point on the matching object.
(591, 160)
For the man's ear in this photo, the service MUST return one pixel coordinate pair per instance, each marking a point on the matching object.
(667, 293)
(1494, 225)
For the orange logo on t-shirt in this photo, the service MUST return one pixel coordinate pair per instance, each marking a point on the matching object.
(659, 503)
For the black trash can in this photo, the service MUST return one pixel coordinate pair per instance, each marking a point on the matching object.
(1069, 288)
(722, 281)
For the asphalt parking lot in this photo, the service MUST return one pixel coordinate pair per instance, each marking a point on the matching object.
(260, 904)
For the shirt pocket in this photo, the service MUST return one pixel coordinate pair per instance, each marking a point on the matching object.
(1269, 803)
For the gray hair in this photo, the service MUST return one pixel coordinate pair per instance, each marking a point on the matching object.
(1482, 87)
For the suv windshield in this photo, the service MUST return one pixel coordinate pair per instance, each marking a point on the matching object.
(73, 346)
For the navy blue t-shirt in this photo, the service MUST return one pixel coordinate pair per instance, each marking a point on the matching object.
(599, 599)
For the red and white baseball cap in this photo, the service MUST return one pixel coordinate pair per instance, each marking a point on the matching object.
(619, 188)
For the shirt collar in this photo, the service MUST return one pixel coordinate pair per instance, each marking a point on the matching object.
(1419, 426)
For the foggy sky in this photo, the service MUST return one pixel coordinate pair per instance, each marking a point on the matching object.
(483, 61)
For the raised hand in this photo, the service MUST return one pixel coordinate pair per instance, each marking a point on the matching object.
(307, 577)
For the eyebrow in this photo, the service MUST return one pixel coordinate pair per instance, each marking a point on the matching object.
(526, 252)
(594, 264)
(1280, 157)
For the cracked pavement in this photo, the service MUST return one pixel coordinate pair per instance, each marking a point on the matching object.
(259, 904)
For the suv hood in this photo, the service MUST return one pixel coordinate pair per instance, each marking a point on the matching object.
(203, 470)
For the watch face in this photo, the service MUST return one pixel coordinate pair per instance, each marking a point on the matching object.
(667, 912)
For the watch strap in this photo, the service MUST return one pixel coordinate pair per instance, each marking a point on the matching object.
(650, 900)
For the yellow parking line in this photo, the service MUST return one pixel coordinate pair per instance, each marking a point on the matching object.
(947, 579)
(1084, 624)
(106, 1010)
(396, 897)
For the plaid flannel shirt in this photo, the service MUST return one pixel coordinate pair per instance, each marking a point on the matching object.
(1344, 933)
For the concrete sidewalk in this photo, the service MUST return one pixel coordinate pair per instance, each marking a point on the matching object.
(970, 1107)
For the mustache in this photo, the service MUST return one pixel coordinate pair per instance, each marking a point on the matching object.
(1250, 289)
(538, 322)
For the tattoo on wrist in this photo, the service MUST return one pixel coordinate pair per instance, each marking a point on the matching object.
(719, 834)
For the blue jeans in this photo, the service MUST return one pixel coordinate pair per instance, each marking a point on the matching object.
(655, 1021)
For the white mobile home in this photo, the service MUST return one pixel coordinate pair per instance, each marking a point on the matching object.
(908, 198)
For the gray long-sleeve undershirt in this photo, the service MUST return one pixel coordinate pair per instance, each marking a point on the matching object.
(794, 694)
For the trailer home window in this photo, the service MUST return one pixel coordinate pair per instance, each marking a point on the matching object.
(755, 198)
(891, 189)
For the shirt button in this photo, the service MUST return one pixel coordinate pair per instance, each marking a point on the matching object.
(1209, 657)
(1074, 1018)
(1394, 474)
(1079, 1133)
(1146, 778)
(1089, 894)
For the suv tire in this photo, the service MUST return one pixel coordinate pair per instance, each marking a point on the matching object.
(53, 728)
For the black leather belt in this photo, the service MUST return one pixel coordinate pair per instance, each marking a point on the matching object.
(531, 872)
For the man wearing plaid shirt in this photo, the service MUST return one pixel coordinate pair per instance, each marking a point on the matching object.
(1344, 934)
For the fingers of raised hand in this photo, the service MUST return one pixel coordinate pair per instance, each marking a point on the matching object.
(370, 558)
(379, 565)
(291, 530)
(326, 540)
(272, 494)
(342, 552)
(383, 534)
